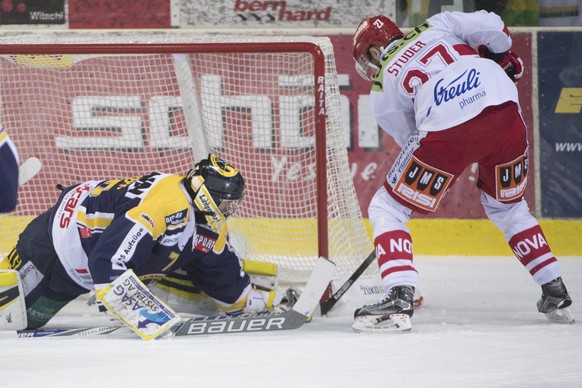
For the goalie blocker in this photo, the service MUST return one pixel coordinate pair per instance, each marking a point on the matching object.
(136, 306)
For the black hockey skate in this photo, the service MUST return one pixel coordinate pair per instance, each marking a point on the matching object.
(555, 301)
(391, 314)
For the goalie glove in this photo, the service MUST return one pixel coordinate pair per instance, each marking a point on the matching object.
(260, 299)
(289, 299)
(509, 61)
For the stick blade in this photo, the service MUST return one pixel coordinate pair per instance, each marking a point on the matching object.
(317, 283)
(28, 170)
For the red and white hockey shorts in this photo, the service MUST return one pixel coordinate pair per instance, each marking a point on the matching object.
(496, 140)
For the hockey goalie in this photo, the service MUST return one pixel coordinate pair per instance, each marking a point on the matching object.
(119, 239)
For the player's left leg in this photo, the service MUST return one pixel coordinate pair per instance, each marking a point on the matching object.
(503, 179)
(529, 244)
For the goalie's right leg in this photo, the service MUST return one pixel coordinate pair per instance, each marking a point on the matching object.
(12, 306)
(46, 285)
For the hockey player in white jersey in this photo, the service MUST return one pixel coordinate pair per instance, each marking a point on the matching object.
(446, 93)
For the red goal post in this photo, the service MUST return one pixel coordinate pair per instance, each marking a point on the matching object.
(95, 106)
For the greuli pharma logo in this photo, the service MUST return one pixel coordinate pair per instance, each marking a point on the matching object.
(459, 90)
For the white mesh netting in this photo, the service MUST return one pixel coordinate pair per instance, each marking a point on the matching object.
(92, 116)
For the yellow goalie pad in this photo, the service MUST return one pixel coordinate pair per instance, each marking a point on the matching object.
(12, 306)
(184, 297)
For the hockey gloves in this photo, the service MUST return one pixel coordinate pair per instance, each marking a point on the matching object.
(509, 61)
(262, 299)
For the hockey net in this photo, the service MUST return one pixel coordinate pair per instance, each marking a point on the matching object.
(119, 105)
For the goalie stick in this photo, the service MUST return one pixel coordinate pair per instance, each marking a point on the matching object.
(28, 170)
(80, 332)
(287, 320)
(328, 304)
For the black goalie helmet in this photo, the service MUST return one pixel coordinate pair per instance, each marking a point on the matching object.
(216, 188)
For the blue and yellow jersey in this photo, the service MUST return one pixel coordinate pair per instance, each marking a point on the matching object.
(8, 173)
(209, 265)
(102, 228)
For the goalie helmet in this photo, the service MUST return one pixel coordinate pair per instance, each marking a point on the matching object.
(216, 188)
(378, 31)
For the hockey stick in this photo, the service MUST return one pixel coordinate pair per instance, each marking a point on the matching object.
(288, 320)
(328, 304)
(80, 332)
(28, 170)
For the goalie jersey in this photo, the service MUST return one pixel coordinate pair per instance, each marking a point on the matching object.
(424, 67)
(209, 265)
(102, 228)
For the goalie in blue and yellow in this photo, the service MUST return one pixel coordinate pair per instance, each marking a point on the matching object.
(112, 236)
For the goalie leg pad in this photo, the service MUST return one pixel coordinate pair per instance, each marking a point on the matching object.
(262, 273)
(12, 305)
(136, 306)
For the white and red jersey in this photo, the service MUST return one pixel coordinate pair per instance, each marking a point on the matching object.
(433, 78)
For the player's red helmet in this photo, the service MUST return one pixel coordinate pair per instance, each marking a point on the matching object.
(375, 31)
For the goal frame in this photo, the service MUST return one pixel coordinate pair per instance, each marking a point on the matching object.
(319, 91)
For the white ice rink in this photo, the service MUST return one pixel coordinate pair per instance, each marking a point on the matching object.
(478, 328)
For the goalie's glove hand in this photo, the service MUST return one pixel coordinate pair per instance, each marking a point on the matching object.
(289, 299)
(262, 299)
(509, 61)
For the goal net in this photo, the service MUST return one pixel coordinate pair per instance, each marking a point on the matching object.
(124, 104)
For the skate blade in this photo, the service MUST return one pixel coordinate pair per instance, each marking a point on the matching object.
(418, 301)
(397, 323)
(561, 316)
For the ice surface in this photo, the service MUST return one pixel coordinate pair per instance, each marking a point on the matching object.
(479, 327)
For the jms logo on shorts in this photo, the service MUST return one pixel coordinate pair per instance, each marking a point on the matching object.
(511, 179)
(422, 185)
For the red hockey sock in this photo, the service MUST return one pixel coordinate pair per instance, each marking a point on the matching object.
(394, 253)
(532, 250)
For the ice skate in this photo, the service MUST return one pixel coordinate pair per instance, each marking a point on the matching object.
(555, 301)
(391, 314)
